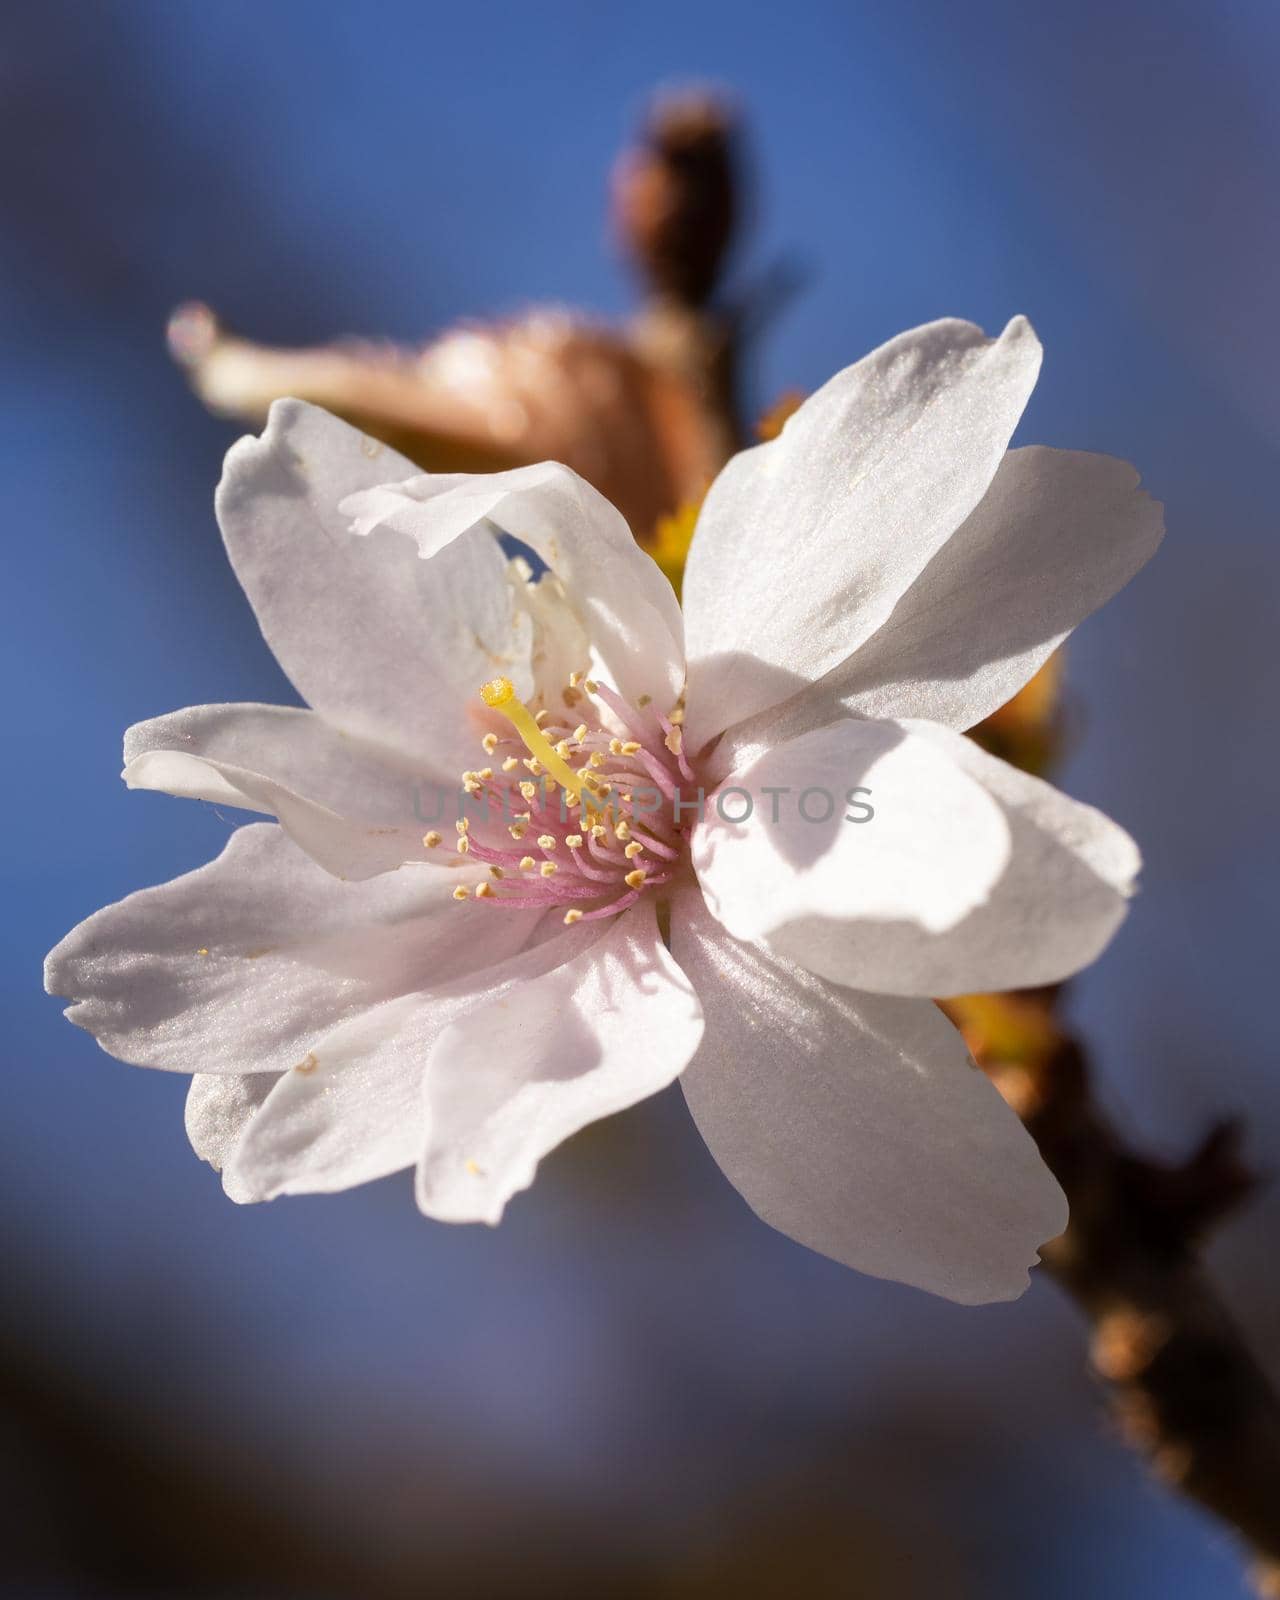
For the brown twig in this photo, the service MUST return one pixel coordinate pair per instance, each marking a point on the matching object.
(1185, 1390)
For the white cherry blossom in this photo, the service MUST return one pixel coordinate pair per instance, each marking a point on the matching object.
(352, 997)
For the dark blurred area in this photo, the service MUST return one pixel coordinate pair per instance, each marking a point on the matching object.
(632, 1387)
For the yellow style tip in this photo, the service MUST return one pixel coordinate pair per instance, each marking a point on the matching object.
(497, 693)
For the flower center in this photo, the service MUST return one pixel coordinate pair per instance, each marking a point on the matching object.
(586, 814)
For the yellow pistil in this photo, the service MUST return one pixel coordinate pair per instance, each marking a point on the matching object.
(499, 695)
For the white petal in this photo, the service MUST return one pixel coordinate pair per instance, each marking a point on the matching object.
(1063, 894)
(351, 1113)
(241, 965)
(625, 605)
(381, 643)
(219, 1109)
(877, 909)
(805, 545)
(355, 808)
(1055, 536)
(357, 1110)
(857, 1124)
(541, 1058)
(830, 891)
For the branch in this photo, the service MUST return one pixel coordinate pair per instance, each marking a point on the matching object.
(1185, 1390)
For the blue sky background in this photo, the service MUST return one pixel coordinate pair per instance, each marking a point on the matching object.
(632, 1363)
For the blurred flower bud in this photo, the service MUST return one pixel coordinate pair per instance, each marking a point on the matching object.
(676, 195)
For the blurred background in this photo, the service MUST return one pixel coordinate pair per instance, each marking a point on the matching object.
(632, 1387)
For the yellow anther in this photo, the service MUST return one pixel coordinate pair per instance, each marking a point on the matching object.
(598, 830)
(575, 678)
(573, 840)
(485, 773)
(463, 824)
(529, 790)
(541, 716)
(499, 695)
(674, 740)
(534, 765)
(635, 880)
(484, 891)
(677, 716)
(615, 747)
(580, 733)
(517, 830)
(632, 850)
(527, 863)
(489, 743)
(462, 892)
(547, 841)
(431, 840)
(570, 917)
(623, 830)
(464, 844)
(631, 747)
(510, 764)
(548, 869)
(496, 872)
(596, 759)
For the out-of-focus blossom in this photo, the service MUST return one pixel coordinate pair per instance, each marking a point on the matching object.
(746, 845)
(548, 386)
(643, 412)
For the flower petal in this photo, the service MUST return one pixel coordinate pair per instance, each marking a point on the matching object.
(624, 604)
(882, 907)
(219, 1109)
(540, 1058)
(355, 1110)
(1055, 536)
(830, 891)
(858, 1125)
(355, 808)
(805, 544)
(351, 1113)
(239, 966)
(381, 643)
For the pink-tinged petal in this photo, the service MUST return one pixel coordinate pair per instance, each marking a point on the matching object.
(240, 966)
(858, 1125)
(383, 644)
(356, 808)
(806, 544)
(540, 1058)
(1055, 536)
(624, 605)
(357, 1109)
(830, 891)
